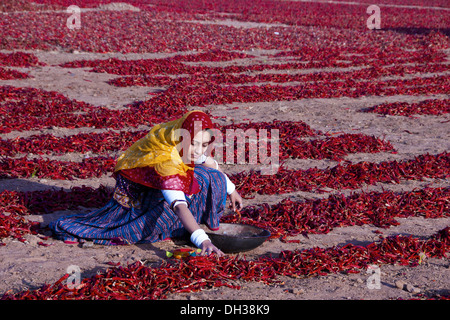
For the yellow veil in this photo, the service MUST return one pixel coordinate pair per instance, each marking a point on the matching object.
(158, 150)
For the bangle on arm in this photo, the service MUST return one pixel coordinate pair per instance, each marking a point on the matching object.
(198, 236)
(174, 197)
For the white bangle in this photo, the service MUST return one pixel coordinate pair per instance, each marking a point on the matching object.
(198, 236)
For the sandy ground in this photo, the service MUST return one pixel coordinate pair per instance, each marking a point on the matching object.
(28, 265)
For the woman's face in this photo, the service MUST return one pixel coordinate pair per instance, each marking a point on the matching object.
(198, 146)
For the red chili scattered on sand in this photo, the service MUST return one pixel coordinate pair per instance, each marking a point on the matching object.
(343, 176)
(190, 83)
(429, 107)
(137, 281)
(290, 218)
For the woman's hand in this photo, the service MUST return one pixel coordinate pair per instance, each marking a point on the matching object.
(208, 248)
(235, 200)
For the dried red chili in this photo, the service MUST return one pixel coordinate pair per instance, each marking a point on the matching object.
(137, 281)
(343, 176)
(429, 107)
(290, 218)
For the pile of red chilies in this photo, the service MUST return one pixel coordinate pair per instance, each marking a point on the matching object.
(285, 219)
(137, 281)
(16, 226)
(329, 58)
(214, 93)
(19, 59)
(162, 35)
(166, 29)
(82, 142)
(290, 145)
(373, 72)
(6, 74)
(172, 102)
(43, 109)
(114, 141)
(289, 218)
(24, 5)
(152, 72)
(172, 65)
(54, 169)
(37, 109)
(343, 176)
(47, 201)
(429, 107)
(339, 15)
(378, 63)
(16, 59)
(213, 55)
(15, 205)
(334, 148)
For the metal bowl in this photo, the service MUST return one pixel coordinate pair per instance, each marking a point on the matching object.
(232, 237)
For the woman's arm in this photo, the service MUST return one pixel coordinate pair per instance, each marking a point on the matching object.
(177, 201)
(191, 225)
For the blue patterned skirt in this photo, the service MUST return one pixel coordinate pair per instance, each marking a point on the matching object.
(138, 214)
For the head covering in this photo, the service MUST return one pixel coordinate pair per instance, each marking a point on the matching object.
(155, 161)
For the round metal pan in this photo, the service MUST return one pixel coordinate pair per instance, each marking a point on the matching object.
(233, 238)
